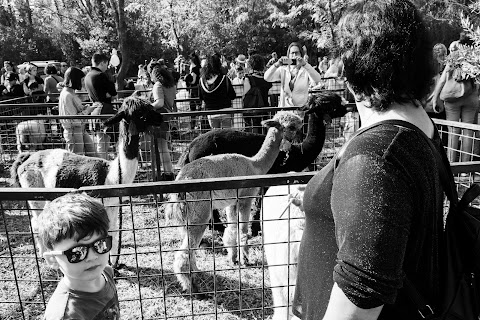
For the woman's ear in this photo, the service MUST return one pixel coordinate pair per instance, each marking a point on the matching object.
(51, 260)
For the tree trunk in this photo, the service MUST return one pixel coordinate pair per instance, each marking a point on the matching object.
(122, 40)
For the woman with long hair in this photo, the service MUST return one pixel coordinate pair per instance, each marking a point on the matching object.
(216, 92)
(295, 74)
(69, 104)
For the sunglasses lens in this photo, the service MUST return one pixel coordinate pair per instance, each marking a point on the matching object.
(76, 254)
(103, 245)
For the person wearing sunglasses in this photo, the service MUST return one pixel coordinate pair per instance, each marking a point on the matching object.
(73, 229)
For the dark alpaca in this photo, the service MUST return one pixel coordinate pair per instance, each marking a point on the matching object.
(321, 108)
(58, 168)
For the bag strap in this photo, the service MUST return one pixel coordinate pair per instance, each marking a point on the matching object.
(448, 184)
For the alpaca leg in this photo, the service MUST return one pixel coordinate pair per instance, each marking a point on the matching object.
(35, 208)
(113, 210)
(230, 235)
(245, 206)
(185, 265)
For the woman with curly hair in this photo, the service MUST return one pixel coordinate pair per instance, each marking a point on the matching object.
(216, 92)
(374, 214)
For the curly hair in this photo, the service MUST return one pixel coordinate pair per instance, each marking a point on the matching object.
(257, 62)
(386, 52)
(160, 74)
(50, 69)
(213, 67)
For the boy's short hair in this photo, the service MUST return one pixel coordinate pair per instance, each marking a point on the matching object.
(71, 216)
(100, 57)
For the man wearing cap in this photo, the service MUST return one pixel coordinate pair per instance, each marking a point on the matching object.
(11, 88)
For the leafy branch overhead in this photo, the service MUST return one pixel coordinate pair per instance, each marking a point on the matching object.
(71, 30)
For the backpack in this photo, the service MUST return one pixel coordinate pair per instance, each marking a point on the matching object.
(460, 294)
(253, 98)
(460, 290)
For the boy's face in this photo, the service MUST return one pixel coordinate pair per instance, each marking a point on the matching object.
(83, 274)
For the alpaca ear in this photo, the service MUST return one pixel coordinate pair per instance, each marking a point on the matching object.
(115, 119)
(270, 123)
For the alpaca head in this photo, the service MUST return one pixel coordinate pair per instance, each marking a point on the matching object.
(137, 114)
(286, 121)
(326, 105)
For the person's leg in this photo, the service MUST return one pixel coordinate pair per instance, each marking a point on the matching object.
(69, 140)
(214, 122)
(102, 143)
(165, 155)
(89, 145)
(226, 121)
(78, 140)
(469, 111)
(452, 111)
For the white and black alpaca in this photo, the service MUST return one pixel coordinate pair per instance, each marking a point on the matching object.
(283, 224)
(58, 168)
(193, 211)
(321, 108)
(31, 135)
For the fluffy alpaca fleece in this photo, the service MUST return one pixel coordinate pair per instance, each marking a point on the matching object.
(30, 135)
(283, 224)
(193, 211)
(58, 168)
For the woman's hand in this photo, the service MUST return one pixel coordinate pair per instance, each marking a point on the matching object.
(301, 62)
(279, 62)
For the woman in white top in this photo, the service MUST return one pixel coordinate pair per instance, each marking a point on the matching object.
(295, 78)
(69, 104)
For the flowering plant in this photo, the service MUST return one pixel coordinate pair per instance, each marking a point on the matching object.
(466, 60)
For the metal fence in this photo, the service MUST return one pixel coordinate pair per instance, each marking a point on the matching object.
(146, 283)
(184, 127)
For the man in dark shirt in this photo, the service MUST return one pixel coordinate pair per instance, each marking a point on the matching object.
(101, 89)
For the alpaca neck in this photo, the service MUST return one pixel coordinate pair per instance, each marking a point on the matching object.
(315, 138)
(267, 154)
(127, 158)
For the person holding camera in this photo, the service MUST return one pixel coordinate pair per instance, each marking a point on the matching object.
(295, 75)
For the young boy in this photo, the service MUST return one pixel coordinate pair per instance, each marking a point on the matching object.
(74, 232)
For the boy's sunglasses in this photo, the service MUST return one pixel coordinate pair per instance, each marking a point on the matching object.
(80, 253)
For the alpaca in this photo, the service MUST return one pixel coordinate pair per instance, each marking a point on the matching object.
(283, 224)
(193, 209)
(30, 134)
(321, 108)
(58, 168)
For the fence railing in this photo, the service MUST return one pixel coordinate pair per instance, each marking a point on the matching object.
(145, 280)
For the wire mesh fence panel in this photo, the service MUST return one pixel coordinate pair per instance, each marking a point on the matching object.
(146, 277)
